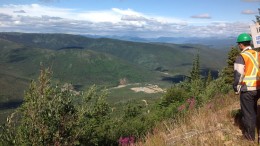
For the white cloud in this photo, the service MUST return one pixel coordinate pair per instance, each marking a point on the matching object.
(126, 12)
(249, 12)
(98, 16)
(40, 18)
(20, 11)
(202, 16)
(133, 18)
(35, 10)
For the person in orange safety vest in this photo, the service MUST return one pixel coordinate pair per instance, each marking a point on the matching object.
(247, 83)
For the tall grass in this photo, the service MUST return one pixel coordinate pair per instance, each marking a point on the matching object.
(213, 124)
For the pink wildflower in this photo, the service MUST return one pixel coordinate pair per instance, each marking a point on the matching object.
(191, 101)
(126, 141)
(182, 107)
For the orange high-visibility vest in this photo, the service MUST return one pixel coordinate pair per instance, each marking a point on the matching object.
(252, 71)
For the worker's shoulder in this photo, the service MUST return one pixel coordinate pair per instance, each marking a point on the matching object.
(240, 59)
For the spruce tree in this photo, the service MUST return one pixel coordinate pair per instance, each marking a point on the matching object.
(209, 78)
(229, 69)
(195, 72)
(196, 83)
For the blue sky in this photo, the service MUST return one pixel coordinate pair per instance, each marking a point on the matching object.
(139, 18)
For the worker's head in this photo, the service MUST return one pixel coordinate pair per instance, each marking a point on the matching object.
(244, 40)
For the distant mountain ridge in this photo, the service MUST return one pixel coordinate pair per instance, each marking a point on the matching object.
(212, 42)
(150, 55)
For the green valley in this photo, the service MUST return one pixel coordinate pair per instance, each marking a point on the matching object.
(82, 61)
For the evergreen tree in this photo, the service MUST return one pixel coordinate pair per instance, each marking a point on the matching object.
(195, 72)
(209, 78)
(196, 83)
(229, 70)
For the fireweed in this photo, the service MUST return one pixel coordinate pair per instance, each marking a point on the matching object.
(190, 104)
(126, 141)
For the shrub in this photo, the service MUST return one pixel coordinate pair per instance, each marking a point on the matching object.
(173, 95)
(53, 115)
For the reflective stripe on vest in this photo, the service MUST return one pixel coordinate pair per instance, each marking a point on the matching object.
(251, 77)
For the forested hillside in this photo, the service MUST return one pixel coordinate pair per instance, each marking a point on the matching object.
(170, 57)
(61, 107)
(19, 64)
(58, 114)
(84, 61)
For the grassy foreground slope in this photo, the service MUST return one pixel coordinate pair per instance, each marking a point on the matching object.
(216, 123)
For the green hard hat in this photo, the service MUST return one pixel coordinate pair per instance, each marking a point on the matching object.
(244, 37)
